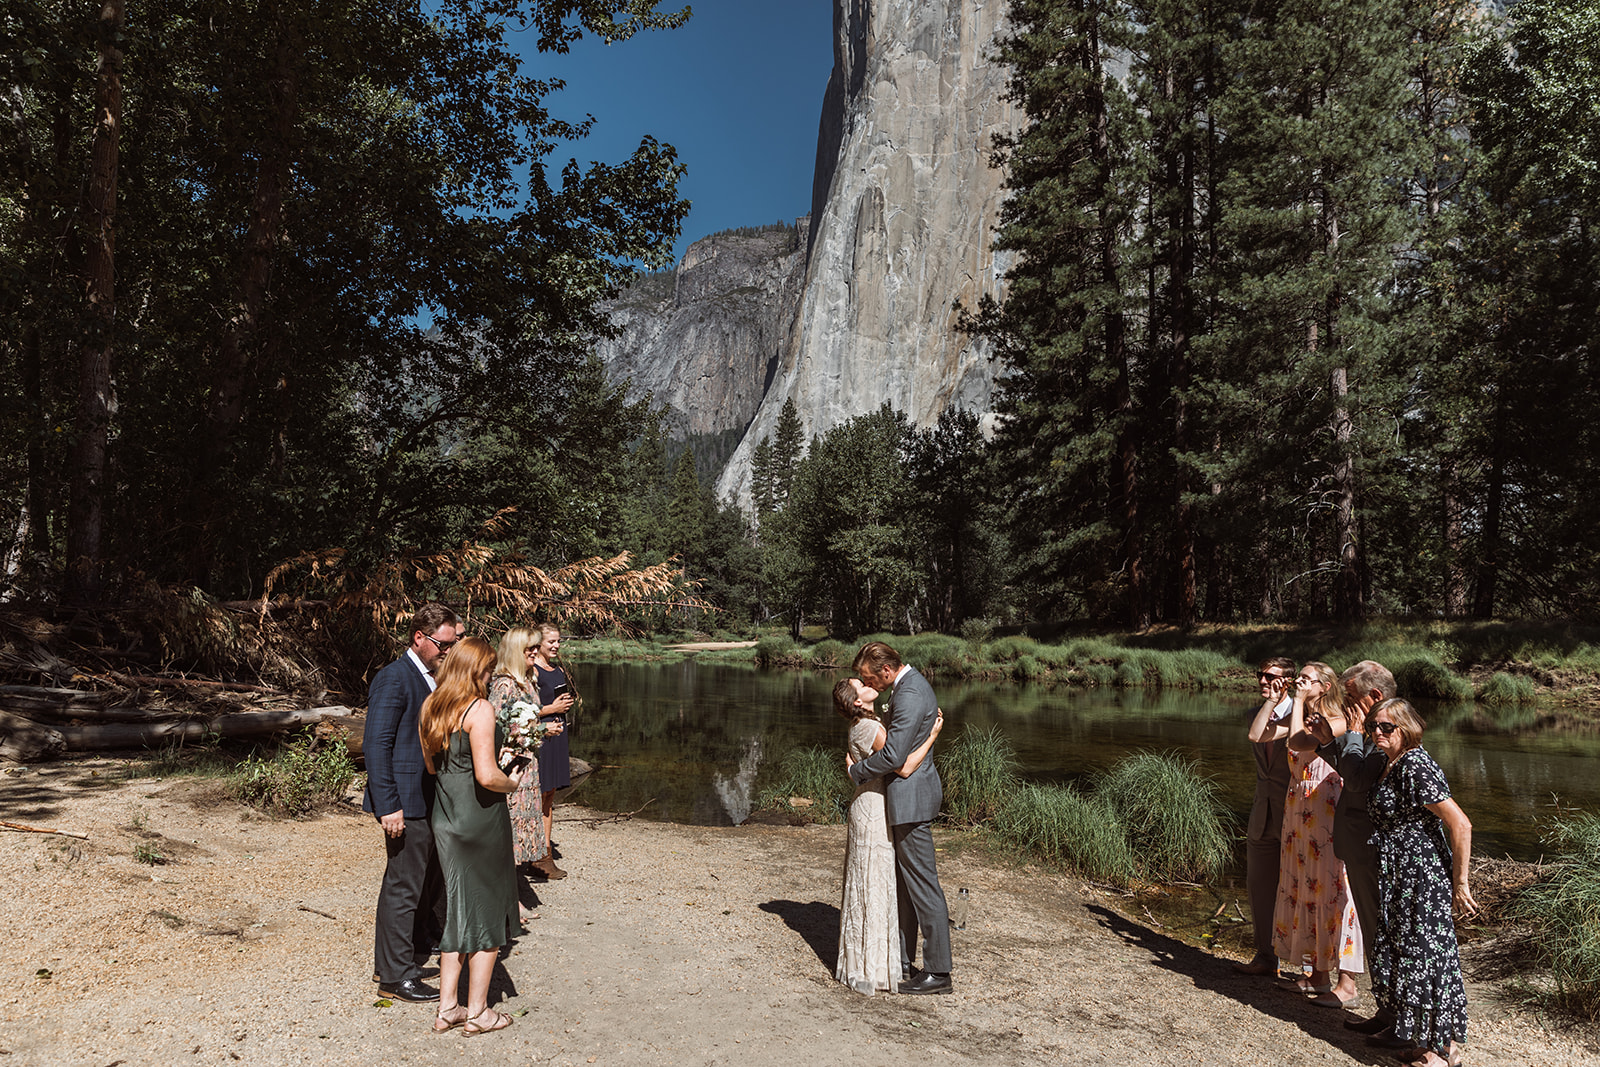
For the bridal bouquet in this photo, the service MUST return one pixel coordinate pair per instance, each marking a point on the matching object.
(524, 731)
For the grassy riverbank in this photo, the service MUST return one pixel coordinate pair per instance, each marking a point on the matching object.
(1503, 666)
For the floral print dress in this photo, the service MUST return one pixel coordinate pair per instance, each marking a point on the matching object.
(1416, 969)
(1315, 918)
(524, 804)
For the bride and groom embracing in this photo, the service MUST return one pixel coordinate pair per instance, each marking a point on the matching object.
(891, 882)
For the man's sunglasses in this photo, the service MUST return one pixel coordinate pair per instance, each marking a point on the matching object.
(442, 646)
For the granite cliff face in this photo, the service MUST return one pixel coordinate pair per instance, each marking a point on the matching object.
(706, 339)
(903, 208)
(904, 205)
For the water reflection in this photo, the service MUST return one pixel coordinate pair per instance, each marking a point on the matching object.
(692, 742)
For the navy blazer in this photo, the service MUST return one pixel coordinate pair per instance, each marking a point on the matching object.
(397, 779)
(912, 710)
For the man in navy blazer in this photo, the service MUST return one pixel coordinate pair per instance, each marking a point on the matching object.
(911, 804)
(400, 793)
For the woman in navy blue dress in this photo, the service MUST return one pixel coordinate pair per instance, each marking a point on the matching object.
(555, 768)
(1424, 852)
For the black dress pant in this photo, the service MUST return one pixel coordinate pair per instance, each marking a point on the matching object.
(410, 904)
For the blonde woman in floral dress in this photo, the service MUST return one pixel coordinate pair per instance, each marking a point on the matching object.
(513, 682)
(1314, 922)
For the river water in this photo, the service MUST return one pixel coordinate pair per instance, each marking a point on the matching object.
(687, 743)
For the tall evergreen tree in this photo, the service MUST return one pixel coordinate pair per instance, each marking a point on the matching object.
(1068, 446)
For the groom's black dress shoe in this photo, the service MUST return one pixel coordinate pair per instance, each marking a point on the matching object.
(927, 982)
(410, 989)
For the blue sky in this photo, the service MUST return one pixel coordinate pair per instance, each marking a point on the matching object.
(737, 91)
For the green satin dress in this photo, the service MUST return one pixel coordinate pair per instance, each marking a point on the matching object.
(472, 831)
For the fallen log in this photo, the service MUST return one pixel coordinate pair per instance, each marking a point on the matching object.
(143, 680)
(30, 699)
(23, 740)
(151, 734)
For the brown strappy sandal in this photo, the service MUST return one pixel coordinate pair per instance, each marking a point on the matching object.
(472, 1027)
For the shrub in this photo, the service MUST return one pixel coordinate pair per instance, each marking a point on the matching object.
(829, 653)
(1060, 825)
(948, 661)
(975, 632)
(1420, 674)
(1502, 689)
(1176, 825)
(1008, 649)
(979, 772)
(1027, 669)
(1129, 674)
(304, 774)
(1564, 911)
(777, 650)
(1101, 673)
(818, 775)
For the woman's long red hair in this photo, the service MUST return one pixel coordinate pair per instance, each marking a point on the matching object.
(461, 680)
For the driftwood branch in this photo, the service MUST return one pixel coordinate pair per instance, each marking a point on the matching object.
(618, 816)
(42, 830)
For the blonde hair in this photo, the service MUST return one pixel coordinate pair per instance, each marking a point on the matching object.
(461, 681)
(512, 658)
(1330, 705)
(1405, 717)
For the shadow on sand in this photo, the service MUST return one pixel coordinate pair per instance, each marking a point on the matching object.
(817, 922)
(1217, 976)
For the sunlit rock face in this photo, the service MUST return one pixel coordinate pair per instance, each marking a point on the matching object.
(855, 307)
(903, 212)
(706, 338)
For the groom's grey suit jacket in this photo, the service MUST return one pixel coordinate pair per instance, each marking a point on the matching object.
(912, 710)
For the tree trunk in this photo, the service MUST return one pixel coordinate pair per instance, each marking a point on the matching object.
(86, 507)
(232, 371)
(1455, 567)
(1494, 504)
(1348, 603)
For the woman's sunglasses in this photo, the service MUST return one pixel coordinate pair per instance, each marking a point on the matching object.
(1384, 728)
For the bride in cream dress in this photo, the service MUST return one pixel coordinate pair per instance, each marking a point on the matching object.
(869, 923)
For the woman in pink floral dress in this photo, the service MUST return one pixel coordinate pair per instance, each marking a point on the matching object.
(1314, 924)
(513, 682)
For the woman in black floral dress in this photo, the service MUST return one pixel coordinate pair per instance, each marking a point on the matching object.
(1425, 849)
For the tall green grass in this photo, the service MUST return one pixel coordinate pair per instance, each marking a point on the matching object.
(979, 772)
(1171, 814)
(1062, 826)
(1564, 911)
(816, 774)
(1502, 689)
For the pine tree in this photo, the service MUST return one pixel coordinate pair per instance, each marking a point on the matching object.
(1310, 217)
(1067, 451)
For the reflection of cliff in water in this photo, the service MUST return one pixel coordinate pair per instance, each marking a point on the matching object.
(737, 792)
(688, 741)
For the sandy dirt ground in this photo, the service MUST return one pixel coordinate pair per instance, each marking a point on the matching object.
(668, 944)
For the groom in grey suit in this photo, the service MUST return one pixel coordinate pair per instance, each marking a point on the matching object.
(911, 804)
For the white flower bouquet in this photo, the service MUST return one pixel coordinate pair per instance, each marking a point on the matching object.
(524, 732)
